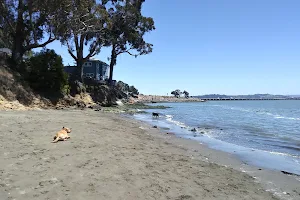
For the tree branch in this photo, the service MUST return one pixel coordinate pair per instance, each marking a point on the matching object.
(81, 42)
(70, 52)
(93, 51)
(7, 20)
(128, 51)
(135, 55)
(76, 42)
(36, 45)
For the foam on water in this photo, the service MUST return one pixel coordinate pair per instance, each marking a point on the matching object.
(261, 133)
(178, 123)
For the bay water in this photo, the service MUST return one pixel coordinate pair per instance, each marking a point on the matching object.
(261, 133)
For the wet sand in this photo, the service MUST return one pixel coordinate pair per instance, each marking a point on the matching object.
(108, 157)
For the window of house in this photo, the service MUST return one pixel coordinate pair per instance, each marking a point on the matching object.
(87, 64)
(89, 74)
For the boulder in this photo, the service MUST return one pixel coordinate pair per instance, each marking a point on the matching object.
(194, 130)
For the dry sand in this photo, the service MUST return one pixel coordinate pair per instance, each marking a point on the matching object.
(107, 157)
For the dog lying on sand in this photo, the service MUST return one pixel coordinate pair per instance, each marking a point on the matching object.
(155, 114)
(62, 135)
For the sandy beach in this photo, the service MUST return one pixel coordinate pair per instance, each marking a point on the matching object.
(108, 157)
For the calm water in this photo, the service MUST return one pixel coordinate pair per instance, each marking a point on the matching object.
(262, 133)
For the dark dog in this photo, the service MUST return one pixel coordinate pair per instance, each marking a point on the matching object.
(155, 114)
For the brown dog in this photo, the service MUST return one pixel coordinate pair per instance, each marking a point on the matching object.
(62, 135)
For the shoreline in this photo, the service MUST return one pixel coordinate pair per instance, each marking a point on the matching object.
(125, 159)
(284, 186)
(256, 157)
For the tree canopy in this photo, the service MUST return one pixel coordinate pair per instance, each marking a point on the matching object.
(124, 87)
(85, 27)
(26, 23)
(127, 28)
(186, 94)
(46, 72)
(80, 25)
(176, 93)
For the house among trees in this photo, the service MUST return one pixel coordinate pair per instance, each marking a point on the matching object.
(93, 68)
(5, 52)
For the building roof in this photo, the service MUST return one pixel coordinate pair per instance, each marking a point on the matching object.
(94, 59)
(5, 50)
(70, 69)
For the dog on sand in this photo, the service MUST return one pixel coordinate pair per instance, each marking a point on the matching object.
(62, 135)
(155, 114)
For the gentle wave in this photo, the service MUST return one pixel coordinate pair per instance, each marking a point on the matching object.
(181, 124)
(276, 116)
(282, 154)
(291, 118)
(178, 123)
(262, 133)
(211, 134)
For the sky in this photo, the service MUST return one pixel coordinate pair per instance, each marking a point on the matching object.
(215, 47)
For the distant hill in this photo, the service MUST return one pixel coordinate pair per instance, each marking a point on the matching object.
(251, 96)
(295, 96)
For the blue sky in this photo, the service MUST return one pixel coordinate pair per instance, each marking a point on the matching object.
(215, 46)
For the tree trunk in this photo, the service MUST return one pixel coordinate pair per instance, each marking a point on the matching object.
(80, 69)
(80, 62)
(79, 42)
(18, 50)
(113, 60)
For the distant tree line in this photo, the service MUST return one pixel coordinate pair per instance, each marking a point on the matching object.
(177, 93)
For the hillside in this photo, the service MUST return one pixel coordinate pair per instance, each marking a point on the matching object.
(16, 94)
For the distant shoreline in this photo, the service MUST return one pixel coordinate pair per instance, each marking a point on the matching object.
(172, 99)
(163, 99)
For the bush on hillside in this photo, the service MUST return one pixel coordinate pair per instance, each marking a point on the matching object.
(45, 73)
(124, 87)
(133, 90)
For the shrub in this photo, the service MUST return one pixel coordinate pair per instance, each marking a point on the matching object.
(46, 73)
(124, 87)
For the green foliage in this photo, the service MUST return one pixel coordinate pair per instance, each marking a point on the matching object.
(133, 90)
(127, 28)
(124, 87)
(5, 39)
(25, 23)
(46, 73)
(176, 93)
(84, 28)
(81, 25)
(186, 94)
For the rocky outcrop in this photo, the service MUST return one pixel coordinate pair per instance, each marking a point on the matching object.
(107, 96)
(15, 93)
